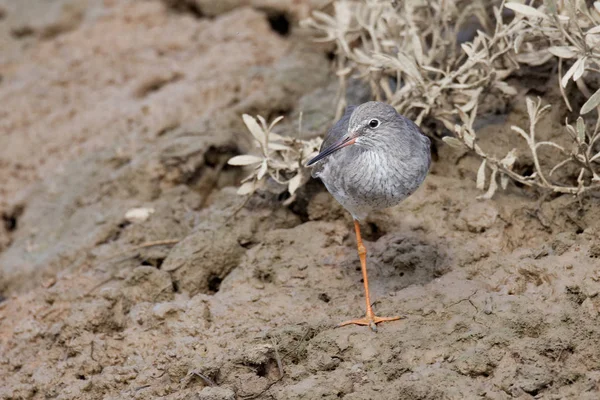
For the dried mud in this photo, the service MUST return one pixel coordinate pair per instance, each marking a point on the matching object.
(111, 105)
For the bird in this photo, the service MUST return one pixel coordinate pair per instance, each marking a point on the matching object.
(371, 159)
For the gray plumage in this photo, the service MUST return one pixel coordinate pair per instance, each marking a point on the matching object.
(383, 165)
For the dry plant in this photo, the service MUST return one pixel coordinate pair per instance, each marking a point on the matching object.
(281, 159)
(415, 57)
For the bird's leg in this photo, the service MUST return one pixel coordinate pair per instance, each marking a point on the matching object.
(370, 319)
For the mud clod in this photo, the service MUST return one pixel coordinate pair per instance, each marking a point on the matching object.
(201, 261)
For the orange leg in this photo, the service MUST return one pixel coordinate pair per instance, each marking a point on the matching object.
(370, 320)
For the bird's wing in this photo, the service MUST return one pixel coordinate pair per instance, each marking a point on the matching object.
(333, 135)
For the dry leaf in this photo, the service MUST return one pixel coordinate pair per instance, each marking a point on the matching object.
(509, 160)
(275, 121)
(591, 103)
(481, 175)
(525, 10)
(594, 31)
(504, 181)
(580, 130)
(254, 129)
(580, 68)
(278, 146)
(453, 142)
(534, 58)
(246, 188)
(263, 122)
(468, 49)
(244, 160)
(493, 186)
(505, 88)
(520, 131)
(417, 48)
(262, 170)
(570, 72)
(518, 42)
(139, 214)
(294, 183)
(469, 138)
(530, 107)
(563, 51)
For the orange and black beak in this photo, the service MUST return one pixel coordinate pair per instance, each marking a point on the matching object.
(346, 140)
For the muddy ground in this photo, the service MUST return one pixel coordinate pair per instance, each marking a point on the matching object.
(108, 105)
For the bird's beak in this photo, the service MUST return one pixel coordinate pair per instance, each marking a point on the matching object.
(346, 140)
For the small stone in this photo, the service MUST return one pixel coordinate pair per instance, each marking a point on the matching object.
(257, 355)
(324, 362)
(139, 214)
(216, 393)
(48, 283)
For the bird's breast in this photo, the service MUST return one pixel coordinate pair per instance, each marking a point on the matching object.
(368, 180)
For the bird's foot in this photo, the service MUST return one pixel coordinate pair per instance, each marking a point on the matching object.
(370, 320)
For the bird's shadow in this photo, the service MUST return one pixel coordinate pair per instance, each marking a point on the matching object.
(398, 260)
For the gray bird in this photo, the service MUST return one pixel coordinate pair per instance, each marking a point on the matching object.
(371, 159)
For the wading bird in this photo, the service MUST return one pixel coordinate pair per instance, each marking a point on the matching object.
(371, 159)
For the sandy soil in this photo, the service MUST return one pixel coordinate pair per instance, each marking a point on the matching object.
(115, 104)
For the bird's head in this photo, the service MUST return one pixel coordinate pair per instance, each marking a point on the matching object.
(370, 125)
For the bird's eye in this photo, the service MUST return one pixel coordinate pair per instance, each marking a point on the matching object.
(374, 123)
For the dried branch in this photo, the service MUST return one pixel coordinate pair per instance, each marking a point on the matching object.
(282, 158)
